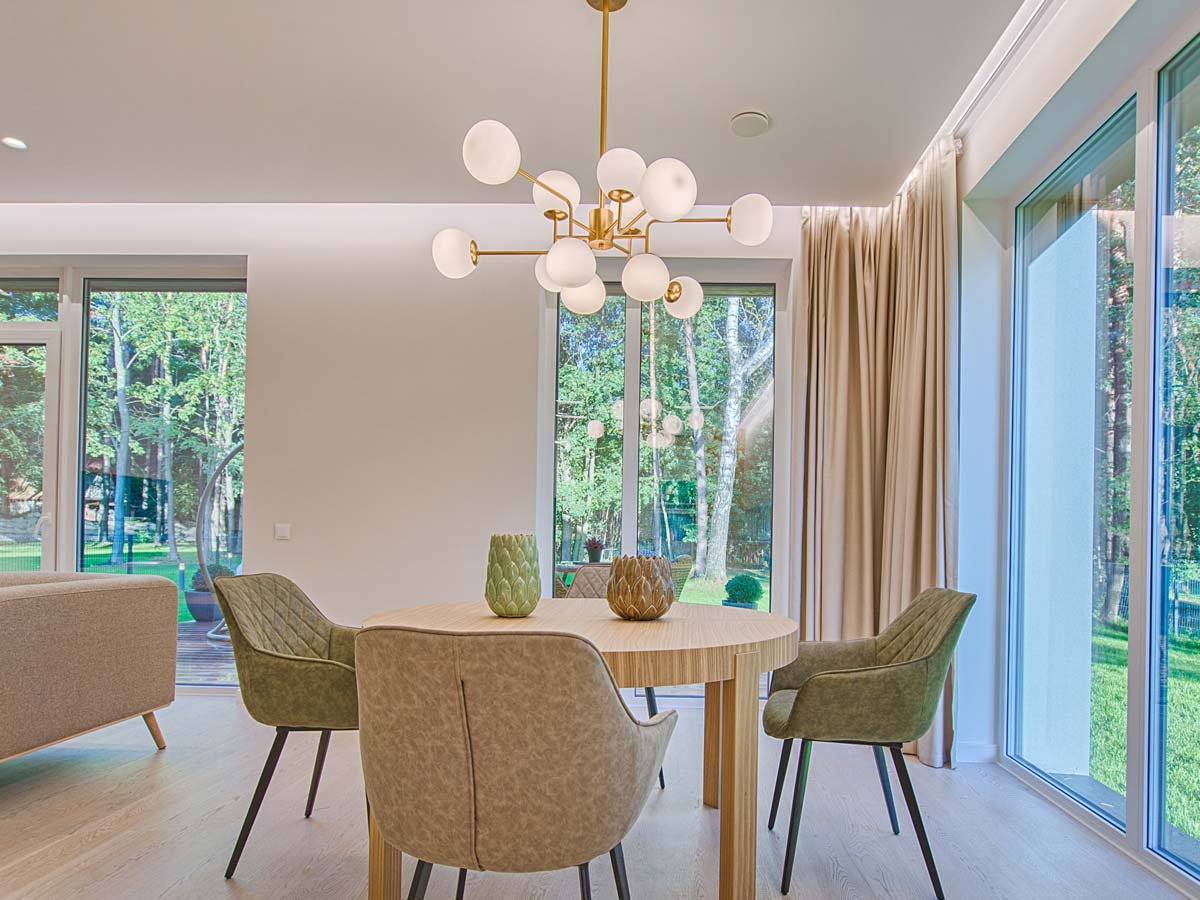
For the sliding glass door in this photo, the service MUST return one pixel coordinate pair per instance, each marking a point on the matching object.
(1175, 707)
(1072, 411)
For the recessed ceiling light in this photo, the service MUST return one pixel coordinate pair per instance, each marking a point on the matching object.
(750, 123)
(14, 143)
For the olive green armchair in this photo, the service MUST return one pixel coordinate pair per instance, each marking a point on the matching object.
(296, 670)
(880, 691)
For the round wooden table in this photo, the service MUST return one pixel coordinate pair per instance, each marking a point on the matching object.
(726, 649)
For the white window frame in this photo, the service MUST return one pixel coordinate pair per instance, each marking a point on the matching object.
(776, 272)
(1141, 805)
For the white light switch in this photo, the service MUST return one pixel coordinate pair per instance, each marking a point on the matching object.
(283, 531)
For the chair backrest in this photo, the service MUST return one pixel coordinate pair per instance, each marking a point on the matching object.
(591, 580)
(929, 627)
(681, 570)
(503, 752)
(269, 612)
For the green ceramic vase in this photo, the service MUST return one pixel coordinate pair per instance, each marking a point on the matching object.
(513, 585)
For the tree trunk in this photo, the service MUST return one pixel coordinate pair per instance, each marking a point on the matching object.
(701, 554)
(1117, 551)
(166, 454)
(121, 475)
(718, 535)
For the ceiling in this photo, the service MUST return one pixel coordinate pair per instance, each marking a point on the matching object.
(366, 100)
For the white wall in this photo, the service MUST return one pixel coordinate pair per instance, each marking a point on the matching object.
(391, 414)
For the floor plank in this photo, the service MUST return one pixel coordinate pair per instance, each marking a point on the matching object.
(107, 817)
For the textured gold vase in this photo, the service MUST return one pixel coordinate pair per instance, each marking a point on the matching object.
(513, 585)
(640, 587)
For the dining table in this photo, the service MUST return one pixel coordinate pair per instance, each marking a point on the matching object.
(726, 649)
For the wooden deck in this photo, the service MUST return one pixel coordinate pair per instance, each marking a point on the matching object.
(201, 661)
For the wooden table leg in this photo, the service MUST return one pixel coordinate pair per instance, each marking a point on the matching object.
(383, 866)
(712, 744)
(739, 779)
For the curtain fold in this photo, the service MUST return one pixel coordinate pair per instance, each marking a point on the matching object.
(875, 421)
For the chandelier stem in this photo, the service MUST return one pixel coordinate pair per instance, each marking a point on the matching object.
(604, 89)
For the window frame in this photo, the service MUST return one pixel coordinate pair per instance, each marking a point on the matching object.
(776, 273)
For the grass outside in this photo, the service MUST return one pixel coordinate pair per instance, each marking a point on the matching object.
(702, 590)
(1110, 663)
(148, 559)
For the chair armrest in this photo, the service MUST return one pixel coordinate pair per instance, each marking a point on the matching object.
(298, 691)
(877, 705)
(823, 656)
(341, 644)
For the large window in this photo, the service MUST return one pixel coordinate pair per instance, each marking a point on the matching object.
(697, 415)
(1072, 413)
(1175, 757)
(164, 408)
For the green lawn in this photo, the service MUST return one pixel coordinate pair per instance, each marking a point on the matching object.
(701, 590)
(148, 559)
(1109, 697)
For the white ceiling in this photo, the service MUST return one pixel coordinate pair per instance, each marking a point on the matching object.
(366, 100)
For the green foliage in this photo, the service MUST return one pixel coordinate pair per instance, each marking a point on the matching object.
(216, 570)
(743, 589)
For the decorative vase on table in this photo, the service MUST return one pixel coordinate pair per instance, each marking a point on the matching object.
(594, 547)
(513, 585)
(640, 587)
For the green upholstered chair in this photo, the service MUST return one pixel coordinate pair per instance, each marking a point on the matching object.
(296, 670)
(879, 691)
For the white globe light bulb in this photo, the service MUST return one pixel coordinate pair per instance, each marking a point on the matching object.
(696, 420)
(584, 301)
(452, 253)
(570, 263)
(750, 219)
(618, 410)
(690, 298)
(668, 189)
(491, 152)
(645, 277)
(672, 424)
(547, 283)
(562, 182)
(620, 169)
(595, 429)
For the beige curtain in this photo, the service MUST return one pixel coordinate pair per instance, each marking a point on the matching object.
(874, 413)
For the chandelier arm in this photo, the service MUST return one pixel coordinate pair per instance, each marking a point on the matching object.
(511, 252)
(559, 195)
(633, 221)
(604, 88)
(580, 224)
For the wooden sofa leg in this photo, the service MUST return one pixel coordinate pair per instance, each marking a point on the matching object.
(155, 731)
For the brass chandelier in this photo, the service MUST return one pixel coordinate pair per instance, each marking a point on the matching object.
(632, 198)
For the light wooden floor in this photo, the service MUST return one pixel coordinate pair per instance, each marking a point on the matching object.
(105, 817)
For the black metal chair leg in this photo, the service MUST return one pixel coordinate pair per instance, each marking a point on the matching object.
(887, 788)
(585, 883)
(914, 813)
(462, 885)
(789, 859)
(256, 801)
(652, 709)
(784, 755)
(617, 855)
(420, 880)
(322, 749)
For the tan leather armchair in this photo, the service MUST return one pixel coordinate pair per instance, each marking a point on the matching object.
(501, 752)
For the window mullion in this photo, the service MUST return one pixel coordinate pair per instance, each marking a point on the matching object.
(631, 427)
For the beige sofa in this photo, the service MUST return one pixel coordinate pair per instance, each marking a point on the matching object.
(78, 652)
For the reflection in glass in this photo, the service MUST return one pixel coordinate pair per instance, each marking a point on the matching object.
(1176, 710)
(1071, 447)
(587, 435)
(707, 416)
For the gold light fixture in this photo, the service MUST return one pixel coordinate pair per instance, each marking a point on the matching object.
(631, 199)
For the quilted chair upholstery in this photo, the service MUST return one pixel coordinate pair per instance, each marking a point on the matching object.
(681, 570)
(591, 580)
(500, 752)
(296, 670)
(881, 691)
